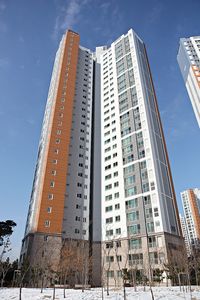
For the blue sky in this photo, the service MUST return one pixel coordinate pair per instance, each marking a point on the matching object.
(29, 35)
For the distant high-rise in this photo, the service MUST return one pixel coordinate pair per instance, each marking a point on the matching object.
(103, 175)
(185, 234)
(191, 208)
(189, 63)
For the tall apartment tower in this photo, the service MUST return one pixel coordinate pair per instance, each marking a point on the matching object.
(103, 181)
(189, 63)
(191, 208)
(140, 220)
(62, 204)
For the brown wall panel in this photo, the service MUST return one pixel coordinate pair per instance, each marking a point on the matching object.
(70, 59)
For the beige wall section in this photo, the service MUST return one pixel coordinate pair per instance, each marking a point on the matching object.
(195, 212)
(61, 120)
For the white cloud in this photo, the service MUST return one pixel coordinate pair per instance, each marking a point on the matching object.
(68, 16)
(2, 6)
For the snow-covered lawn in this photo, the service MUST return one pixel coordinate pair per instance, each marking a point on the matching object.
(160, 293)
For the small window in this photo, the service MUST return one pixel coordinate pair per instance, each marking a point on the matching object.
(47, 223)
(49, 210)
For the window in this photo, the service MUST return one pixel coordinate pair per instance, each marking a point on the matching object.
(54, 161)
(116, 184)
(116, 195)
(53, 172)
(134, 229)
(119, 258)
(129, 169)
(135, 243)
(109, 232)
(47, 223)
(52, 184)
(110, 274)
(152, 186)
(50, 196)
(49, 209)
(108, 208)
(147, 200)
(57, 141)
(118, 244)
(148, 213)
(109, 258)
(117, 206)
(119, 273)
(150, 227)
(107, 149)
(153, 257)
(156, 213)
(107, 158)
(143, 164)
(117, 218)
(109, 197)
(108, 167)
(145, 187)
(152, 242)
(135, 259)
(118, 231)
(132, 203)
(109, 220)
(109, 245)
(115, 174)
(108, 187)
(132, 216)
(129, 180)
(131, 191)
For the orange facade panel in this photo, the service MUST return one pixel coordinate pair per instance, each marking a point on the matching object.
(195, 212)
(196, 71)
(56, 166)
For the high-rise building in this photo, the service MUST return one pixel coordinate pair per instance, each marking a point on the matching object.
(185, 234)
(189, 63)
(191, 208)
(103, 187)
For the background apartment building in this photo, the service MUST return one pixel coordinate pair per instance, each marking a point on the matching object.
(189, 63)
(191, 219)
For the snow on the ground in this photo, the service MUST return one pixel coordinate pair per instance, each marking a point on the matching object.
(160, 293)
